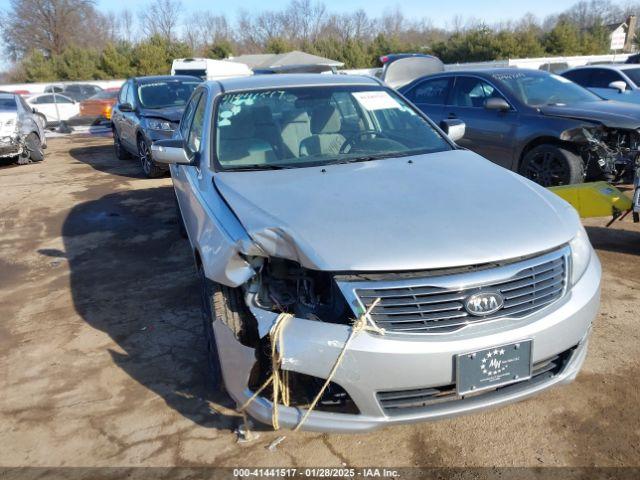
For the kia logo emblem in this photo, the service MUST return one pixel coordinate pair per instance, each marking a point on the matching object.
(484, 303)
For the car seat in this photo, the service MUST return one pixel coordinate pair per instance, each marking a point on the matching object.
(326, 137)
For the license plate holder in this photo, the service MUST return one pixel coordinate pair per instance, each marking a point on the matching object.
(493, 367)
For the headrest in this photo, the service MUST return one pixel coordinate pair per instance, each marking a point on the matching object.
(242, 126)
(262, 114)
(325, 119)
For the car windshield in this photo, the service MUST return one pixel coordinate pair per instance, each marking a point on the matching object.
(633, 74)
(305, 126)
(538, 89)
(165, 93)
(8, 103)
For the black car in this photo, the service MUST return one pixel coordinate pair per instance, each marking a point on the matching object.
(539, 124)
(149, 109)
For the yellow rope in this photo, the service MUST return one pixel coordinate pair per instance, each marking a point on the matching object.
(360, 324)
(279, 379)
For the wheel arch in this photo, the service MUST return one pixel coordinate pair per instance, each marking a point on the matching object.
(545, 140)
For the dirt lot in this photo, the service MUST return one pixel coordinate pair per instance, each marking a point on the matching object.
(102, 361)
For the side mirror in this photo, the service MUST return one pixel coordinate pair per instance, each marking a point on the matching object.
(170, 151)
(453, 128)
(497, 103)
(618, 85)
(125, 107)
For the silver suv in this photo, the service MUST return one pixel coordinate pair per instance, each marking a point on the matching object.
(318, 195)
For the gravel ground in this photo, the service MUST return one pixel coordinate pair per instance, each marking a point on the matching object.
(102, 361)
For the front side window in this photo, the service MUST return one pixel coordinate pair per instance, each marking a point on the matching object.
(537, 89)
(601, 78)
(195, 132)
(165, 93)
(472, 92)
(305, 126)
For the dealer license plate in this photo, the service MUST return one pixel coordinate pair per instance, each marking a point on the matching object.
(493, 367)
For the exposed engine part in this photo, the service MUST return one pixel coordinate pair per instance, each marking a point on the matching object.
(12, 146)
(615, 153)
(302, 388)
(284, 286)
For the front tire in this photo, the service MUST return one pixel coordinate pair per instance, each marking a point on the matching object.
(34, 147)
(149, 168)
(550, 165)
(208, 294)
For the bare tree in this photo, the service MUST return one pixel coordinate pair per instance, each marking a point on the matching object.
(205, 28)
(51, 26)
(161, 17)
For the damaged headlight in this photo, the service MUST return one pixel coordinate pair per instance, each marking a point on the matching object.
(158, 124)
(285, 286)
(580, 255)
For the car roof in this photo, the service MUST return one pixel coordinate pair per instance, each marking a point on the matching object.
(612, 66)
(164, 78)
(258, 82)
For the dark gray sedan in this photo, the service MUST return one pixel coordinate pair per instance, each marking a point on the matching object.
(542, 125)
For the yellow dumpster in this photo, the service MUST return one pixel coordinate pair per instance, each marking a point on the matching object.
(596, 199)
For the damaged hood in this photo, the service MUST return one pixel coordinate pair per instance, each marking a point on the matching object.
(445, 209)
(607, 112)
(171, 114)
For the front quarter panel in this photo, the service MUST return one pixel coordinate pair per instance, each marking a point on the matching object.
(215, 233)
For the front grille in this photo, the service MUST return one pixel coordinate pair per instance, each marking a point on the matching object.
(424, 306)
(400, 402)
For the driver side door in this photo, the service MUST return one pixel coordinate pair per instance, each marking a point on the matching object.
(489, 133)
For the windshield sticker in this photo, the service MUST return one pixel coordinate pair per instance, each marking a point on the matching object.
(376, 100)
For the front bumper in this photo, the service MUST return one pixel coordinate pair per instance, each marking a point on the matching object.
(10, 146)
(376, 363)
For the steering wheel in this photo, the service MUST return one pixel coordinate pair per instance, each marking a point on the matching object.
(350, 140)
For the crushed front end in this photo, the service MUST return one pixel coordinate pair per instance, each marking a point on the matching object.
(611, 152)
(11, 140)
(408, 373)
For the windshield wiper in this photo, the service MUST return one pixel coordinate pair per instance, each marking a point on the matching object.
(368, 158)
(258, 166)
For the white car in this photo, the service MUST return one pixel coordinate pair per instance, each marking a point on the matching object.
(55, 107)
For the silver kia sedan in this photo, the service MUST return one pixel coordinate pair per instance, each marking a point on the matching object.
(331, 198)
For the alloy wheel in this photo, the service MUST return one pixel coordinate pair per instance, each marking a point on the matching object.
(547, 169)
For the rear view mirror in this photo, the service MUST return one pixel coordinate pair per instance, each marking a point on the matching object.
(454, 129)
(125, 107)
(170, 152)
(496, 103)
(618, 85)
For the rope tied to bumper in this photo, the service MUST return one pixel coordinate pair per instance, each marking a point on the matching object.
(279, 378)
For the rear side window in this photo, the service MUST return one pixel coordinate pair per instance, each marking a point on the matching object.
(581, 77)
(431, 92)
